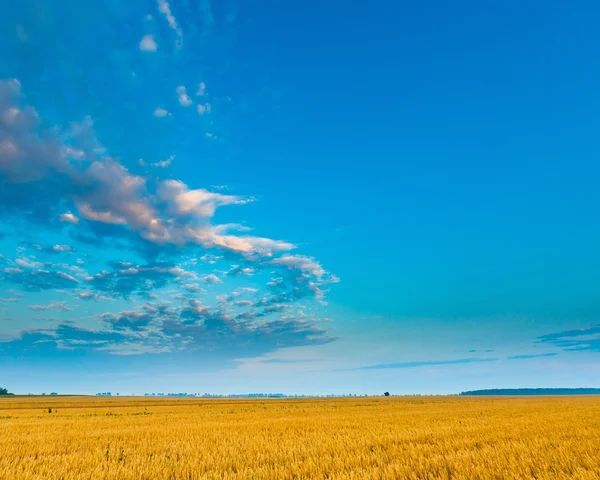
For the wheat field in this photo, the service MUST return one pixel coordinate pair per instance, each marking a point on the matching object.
(349, 438)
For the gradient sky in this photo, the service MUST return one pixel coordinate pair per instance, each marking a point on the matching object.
(299, 197)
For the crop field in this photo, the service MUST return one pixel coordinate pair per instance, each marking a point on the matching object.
(349, 438)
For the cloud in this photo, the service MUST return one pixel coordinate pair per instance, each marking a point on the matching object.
(301, 263)
(161, 112)
(239, 271)
(51, 306)
(35, 280)
(165, 9)
(211, 279)
(69, 218)
(55, 176)
(243, 303)
(125, 279)
(202, 109)
(25, 155)
(426, 363)
(284, 361)
(183, 97)
(199, 203)
(527, 357)
(188, 329)
(27, 263)
(585, 339)
(148, 44)
(91, 296)
(212, 259)
(164, 163)
(193, 287)
(128, 320)
(201, 89)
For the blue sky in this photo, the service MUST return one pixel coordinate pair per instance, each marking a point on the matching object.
(301, 197)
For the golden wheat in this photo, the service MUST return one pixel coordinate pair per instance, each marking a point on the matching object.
(351, 438)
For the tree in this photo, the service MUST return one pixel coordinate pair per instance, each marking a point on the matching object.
(3, 391)
(387, 394)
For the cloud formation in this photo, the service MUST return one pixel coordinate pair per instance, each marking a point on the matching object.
(161, 112)
(104, 191)
(164, 163)
(183, 97)
(165, 9)
(192, 327)
(51, 306)
(65, 180)
(148, 44)
(585, 339)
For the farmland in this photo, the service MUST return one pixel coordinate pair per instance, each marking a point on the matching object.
(380, 438)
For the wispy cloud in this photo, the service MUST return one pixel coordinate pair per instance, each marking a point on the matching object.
(284, 361)
(527, 357)
(164, 163)
(426, 363)
(51, 306)
(165, 9)
(585, 339)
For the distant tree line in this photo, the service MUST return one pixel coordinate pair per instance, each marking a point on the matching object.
(533, 391)
(4, 391)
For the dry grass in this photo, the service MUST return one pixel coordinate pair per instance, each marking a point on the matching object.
(375, 438)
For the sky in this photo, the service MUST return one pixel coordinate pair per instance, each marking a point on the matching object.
(299, 197)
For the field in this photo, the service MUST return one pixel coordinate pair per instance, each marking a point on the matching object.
(375, 438)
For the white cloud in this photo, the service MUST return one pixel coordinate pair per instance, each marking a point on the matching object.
(211, 279)
(193, 287)
(302, 263)
(105, 191)
(13, 270)
(25, 262)
(61, 248)
(52, 306)
(74, 153)
(165, 9)
(199, 202)
(212, 259)
(164, 163)
(184, 98)
(66, 276)
(202, 109)
(161, 112)
(69, 218)
(201, 89)
(148, 44)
